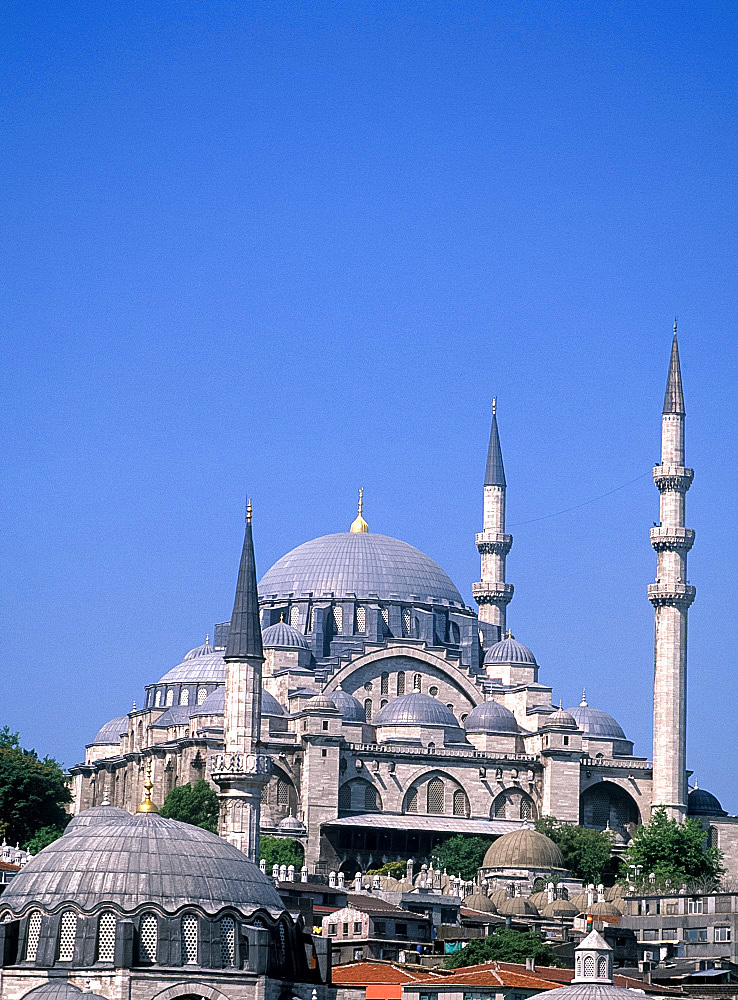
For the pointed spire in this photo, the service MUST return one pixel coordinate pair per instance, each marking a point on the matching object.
(583, 702)
(359, 526)
(495, 473)
(674, 397)
(244, 635)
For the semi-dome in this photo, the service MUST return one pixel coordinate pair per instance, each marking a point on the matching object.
(128, 866)
(490, 717)
(198, 668)
(523, 848)
(283, 636)
(350, 708)
(594, 722)
(415, 709)
(700, 802)
(479, 902)
(112, 731)
(509, 650)
(359, 565)
(98, 815)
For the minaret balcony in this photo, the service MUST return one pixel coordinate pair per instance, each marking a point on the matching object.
(493, 543)
(672, 477)
(670, 539)
(676, 595)
(492, 593)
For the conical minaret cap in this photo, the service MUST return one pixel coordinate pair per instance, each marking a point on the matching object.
(495, 472)
(674, 396)
(244, 635)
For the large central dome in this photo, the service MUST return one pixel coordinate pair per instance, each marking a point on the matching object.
(361, 565)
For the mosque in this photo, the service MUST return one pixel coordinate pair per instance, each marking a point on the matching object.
(356, 703)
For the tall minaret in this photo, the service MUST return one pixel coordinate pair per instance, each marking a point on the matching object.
(671, 597)
(492, 594)
(241, 771)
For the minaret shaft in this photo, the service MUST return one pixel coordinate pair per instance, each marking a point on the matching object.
(671, 596)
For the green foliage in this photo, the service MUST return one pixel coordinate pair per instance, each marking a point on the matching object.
(43, 837)
(586, 852)
(32, 791)
(461, 854)
(281, 851)
(396, 869)
(505, 945)
(675, 853)
(196, 804)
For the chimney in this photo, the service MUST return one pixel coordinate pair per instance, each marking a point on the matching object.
(530, 964)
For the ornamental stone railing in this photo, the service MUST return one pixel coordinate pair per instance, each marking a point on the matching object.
(239, 764)
(664, 537)
(677, 595)
(672, 477)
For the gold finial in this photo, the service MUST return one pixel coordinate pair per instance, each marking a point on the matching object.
(360, 525)
(248, 511)
(494, 405)
(147, 806)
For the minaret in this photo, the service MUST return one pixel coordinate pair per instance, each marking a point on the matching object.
(492, 594)
(241, 771)
(671, 596)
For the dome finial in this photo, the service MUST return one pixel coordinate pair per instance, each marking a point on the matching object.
(584, 697)
(147, 806)
(106, 796)
(360, 526)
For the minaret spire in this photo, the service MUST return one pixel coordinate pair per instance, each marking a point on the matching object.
(492, 593)
(244, 635)
(671, 595)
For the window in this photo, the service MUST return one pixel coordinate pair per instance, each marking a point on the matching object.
(34, 930)
(227, 942)
(295, 616)
(385, 622)
(435, 796)
(358, 954)
(460, 803)
(189, 939)
(695, 934)
(380, 928)
(412, 801)
(368, 709)
(357, 927)
(184, 696)
(566, 741)
(579, 966)
(332, 930)
(433, 691)
(344, 797)
(589, 967)
(283, 793)
(325, 730)
(712, 837)
(723, 904)
(671, 909)
(311, 620)
(602, 967)
(406, 621)
(695, 905)
(526, 808)
(338, 619)
(383, 702)
(669, 934)
(500, 807)
(158, 698)
(106, 937)
(202, 693)
(400, 683)
(345, 929)
(361, 619)
(370, 798)
(401, 930)
(170, 698)
(384, 684)
(649, 935)
(431, 747)
(722, 934)
(418, 682)
(324, 753)
(67, 934)
(148, 935)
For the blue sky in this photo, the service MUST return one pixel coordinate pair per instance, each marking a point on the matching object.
(292, 249)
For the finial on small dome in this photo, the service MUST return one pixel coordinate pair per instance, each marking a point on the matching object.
(106, 797)
(249, 510)
(360, 526)
(207, 638)
(509, 634)
(147, 806)
(281, 616)
(584, 697)
(134, 705)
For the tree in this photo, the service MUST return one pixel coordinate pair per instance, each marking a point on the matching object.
(675, 853)
(196, 804)
(32, 791)
(504, 945)
(281, 851)
(586, 852)
(43, 837)
(395, 869)
(461, 854)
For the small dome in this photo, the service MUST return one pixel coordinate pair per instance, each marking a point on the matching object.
(291, 824)
(594, 722)
(603, 909)
(491, 717)
(97, 815)
(517, 906)
(415, 709)
(560, 908)
(320, 703)
(269, 704)
(205, 650)
(60, 989)
(581, 901)
(112, 731)
(523, 849)
(509, 650)
(350, 708)
(283, 636)
(539, 899)
(498, 897)
(700, 802)
(198, 667)
(560, 720)
(478, 901)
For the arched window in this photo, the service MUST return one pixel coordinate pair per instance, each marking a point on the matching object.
(539, 884)
(712, 837)
(411, 803)
(526, 809)
(282, 943)
(311, 620)
(418, 682)
(283, 793)
(338, 619)
(189, 939)
(34, 930)
(406, 622)
(453, 633)
(433, 691)
(435, 796)
(202, 693)
(344, 797)
(370, 798)
(295, 623)
(589, 967)
(360, 619)
(158, 698)
(184, 696)
(148, 938)
(400, 683)
(431, 747)
(228, 942)
(602, 967)
(67, 934)
(500, 807)
(106, 937)
(170, 698)
(460, 806)
(385, 622)
(368, 709)
(416, 628)
(384, 683)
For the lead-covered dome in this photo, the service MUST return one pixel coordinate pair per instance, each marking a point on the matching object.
(509, 650)
(199, 666)
(149, 861)
(350, 708)
(97, 816)
(359, 565)
(523, 848)
(596, 723)
(700, 802)
(111, 732)
(283, 636)
(490, 717)
(415, 709)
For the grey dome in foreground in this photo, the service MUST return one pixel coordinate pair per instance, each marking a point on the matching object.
(203, 668)
(111, 732)
(596, 723)
(490, 717)
(96, 816)
(560, 719)
(509, 650)
(359, 565)
(283, 636)
(523, 849)
(150, 861)
(60, 989)
(415, 709)
(700, 802)
(350, 708)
